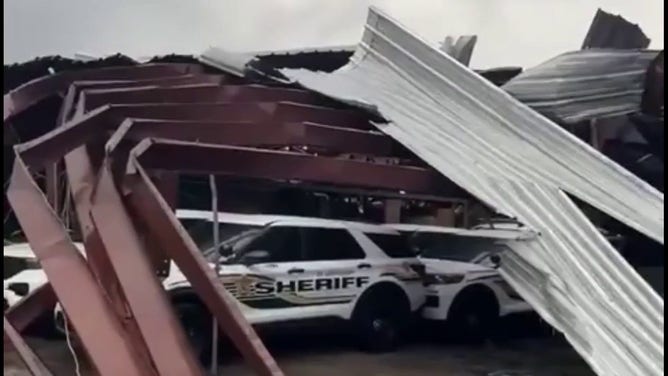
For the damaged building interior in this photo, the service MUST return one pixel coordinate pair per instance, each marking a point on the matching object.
(104, 152)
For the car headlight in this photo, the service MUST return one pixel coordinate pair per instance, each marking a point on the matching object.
(443, 279)
(19, 288)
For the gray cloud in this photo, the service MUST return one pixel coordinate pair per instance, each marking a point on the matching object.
(511, 32)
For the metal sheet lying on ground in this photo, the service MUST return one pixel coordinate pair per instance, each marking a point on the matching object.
(521, 164)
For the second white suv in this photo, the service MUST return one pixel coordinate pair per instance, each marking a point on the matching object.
(462, 285)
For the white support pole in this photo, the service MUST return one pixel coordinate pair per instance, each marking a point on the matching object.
(216, 243)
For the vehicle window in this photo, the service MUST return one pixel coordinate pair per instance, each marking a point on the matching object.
(452, 247)
(201, 231)
(393, 245)
(330, 244)
(282, 243)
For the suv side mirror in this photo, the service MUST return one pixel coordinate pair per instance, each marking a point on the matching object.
(255, 257)
(496, 260)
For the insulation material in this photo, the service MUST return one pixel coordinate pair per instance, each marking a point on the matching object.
(521, 164)
(584, 85)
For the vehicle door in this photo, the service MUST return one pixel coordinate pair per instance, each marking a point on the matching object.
(336, 263)
(273, 263)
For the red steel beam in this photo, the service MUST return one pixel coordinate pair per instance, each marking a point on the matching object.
(28, 309)
(186, 79)
(154, 211)
(255, 134)
(91, 99)
(30, 93)
(198, 158)
(83, 127)
(111, 268)
(81, 178)
(98, 328)
(150, 307)
(30, 359)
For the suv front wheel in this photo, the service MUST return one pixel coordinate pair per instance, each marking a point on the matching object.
(380, 319)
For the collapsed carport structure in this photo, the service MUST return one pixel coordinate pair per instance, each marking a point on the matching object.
(123, 132)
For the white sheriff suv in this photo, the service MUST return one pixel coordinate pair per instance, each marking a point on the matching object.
(463, 286)
(305, 270)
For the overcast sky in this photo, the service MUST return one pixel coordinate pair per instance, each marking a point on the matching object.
(510, 32)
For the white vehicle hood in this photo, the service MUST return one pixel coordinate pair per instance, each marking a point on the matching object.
(33, 277)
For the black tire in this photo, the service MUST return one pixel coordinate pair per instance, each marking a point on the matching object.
(44, 327)
(473, 315)
(196, 324)
(380, 319)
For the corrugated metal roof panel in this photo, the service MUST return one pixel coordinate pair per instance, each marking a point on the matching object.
(521, 164)
(584, 85)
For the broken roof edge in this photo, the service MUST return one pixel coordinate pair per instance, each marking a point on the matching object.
(304, 50)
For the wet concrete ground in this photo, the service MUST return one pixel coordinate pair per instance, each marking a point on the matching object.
(527, 349)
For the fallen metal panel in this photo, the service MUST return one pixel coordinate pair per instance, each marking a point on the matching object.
(583, 85)
(610, 31)
(31, 360)
(521, 164)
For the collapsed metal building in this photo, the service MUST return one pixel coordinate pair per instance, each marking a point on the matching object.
(400, 121)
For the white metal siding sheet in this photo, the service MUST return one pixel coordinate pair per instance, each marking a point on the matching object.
(521, 164)
(584, 85)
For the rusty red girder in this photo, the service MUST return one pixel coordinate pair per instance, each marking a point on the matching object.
(30, 359)
(93, 98)
(199, 158)
(81, 176)
(149, 205)
(98, 328)
(31, 307)
(28, 94)
(319, 137)
(166, 341)
(108, 118)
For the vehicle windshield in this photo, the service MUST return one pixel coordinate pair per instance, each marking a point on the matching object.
(232, 236)
(452, 247)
